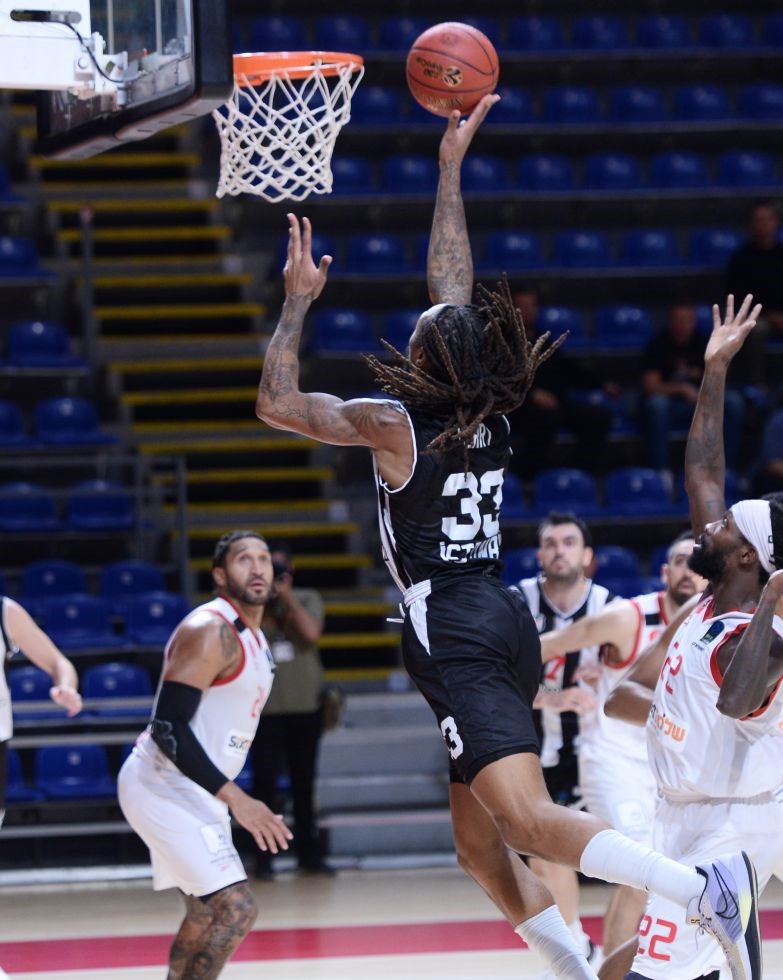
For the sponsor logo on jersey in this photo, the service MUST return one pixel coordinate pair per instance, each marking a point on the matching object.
(452, 551)
(713, 632)
(482, 438)
(238, 743)
(666, 726)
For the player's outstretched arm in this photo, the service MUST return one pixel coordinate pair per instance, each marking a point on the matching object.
(705, 460)
(615, 624)
(449, 258)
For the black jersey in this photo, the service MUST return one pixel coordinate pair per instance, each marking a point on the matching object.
(445, 520)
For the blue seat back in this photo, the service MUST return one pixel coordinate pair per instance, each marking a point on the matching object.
(66, 420)
(637, 490)
(399, 32)
(714, 247)
(678, 169)
(398, 326)
(559, 319)
(512, 250)
(78, 771)
(376, 105)
(152, 617)
(26, 507)
(342, 32)
(598, 32)
(612, 171)
(12, 426)
(637, 104)
(702, 103)
(728, 31)
(409, 173)
(344, 330)
(483, 173)
(79, 620)
(747, 168)
(762, 101)
(116, 680)
(649, 247)
(18, 256)
(519, 563)
(124, 579)
(622, 326)
(50, 577)
(536, 34)
(565, 488)
(545, 172)
(616, 560)
(582, 249)
(278, 33)
(514, 109)
(351, 175)
(100, 505)
(36, 343)
(664, 32)
(376, 254)
(514, 506)
(571, 105)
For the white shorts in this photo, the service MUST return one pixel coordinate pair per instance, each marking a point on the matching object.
(669, 947)
(622, 793)
(187, 831)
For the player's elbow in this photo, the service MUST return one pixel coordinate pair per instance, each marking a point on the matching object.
(732, 705)
(611, 706)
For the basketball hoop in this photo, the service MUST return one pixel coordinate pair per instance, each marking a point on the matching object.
(278, 129)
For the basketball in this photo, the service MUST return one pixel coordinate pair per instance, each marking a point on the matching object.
(451, 66)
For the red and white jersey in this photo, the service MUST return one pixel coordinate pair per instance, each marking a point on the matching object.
(602, 737)
(226, 719)
(7, 649)
(695, 751)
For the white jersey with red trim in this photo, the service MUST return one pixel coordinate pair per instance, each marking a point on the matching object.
(226, 719)
(695, 751)
(7, 650)
(601, 737)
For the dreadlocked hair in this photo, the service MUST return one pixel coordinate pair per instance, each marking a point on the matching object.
(482, 364)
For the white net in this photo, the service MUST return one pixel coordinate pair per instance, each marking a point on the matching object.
(277, 136)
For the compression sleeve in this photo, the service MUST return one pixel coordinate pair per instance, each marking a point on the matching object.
(171, 732)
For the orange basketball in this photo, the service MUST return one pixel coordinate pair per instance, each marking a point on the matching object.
(451, 66)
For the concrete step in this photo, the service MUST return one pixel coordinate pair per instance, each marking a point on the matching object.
(403, 749)
(348, 793)
(390, 832)
(392, 709)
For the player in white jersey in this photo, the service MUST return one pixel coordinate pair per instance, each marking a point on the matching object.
(176, 787)
(708, 693)
(614, 776)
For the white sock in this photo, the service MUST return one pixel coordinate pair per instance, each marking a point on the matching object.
(581, 937)
(613, 857)
(551, 938)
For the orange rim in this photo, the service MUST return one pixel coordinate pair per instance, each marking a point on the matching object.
(259, 67)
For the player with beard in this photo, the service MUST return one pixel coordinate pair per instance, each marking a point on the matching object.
(176, 787)
(707, 692)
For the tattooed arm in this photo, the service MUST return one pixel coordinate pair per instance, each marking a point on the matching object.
(449, 259)
(705, 461)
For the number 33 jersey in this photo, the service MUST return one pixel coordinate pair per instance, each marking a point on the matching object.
(695, 751)
(445, 519)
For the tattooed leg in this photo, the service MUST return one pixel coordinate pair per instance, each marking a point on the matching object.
(198, 919)
(233, 912)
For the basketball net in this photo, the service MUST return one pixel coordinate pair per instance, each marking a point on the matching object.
(278, 129)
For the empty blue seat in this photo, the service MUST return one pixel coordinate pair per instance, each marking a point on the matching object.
(376, 105)
(409, 173)
(27, 507)
(701, 103)
(117, 680)
(616, 560)
(566, 488)
(713, 247)
(320, 245)
(399, 32)
(514, 109)
(18, 257)
(600, 33)
(376, 254)
(122, 580)
(343, 330)
(728, 31)
(572, 105)
(100, 505)
(35, 343)
(50, 577)
(278, 33)
(69, 422)
(12, 428)
(622, 326)
(648, 247)
(30, 683)
(513, 507)
(545, 172)
(64, 772)
(519, 563)
(746, 168)
(488, 26)
(483, 173)
(17, 790)
(536, 34)
(762, 101)
(663, 32)
(612, 171)
(398, 326)
(637, 104)
(637, 491)
(621, 423)
(342, 32)
(773, 30)
(511, 251)
(679, 169)
(351, 175)
(582, 249)
(151, 618)
(624, 586)
(80, 622)
(559, 319)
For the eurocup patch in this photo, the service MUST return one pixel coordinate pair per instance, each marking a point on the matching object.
(713, 632)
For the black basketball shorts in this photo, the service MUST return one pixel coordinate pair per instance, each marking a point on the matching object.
(472, 649)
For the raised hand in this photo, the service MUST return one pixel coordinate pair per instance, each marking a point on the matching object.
(459, 133)
(729, 334)
(303, 279)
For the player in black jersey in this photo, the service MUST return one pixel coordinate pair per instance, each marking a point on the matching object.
(440, 449)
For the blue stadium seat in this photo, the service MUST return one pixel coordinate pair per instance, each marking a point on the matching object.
(659, 556)
(35, 343)
(615, 560)
(276, 33)
(511, 251)
(30, 683)
(69, 422)
(513, 507)
(571, 105)
(545, 172)
(612, 172)
(27, 507)
(399, 32)
(566, 488)
(663, 32)
(343, 331)
(64, 772)
(649, 247)
(17, 790)
(519, 563)
(100, 505)
(514, 109)
(582, 249)
(624, 586)
(409, 173)
(483, 173)
(122, 580)
(6, 193)
(398, 326)
(702, 103)
(600, 33)
(679, 169)
(773, 30)
(342, 32)
(622, 326)
(18, 257)
(151, 618)
(351, 175)
(376, 254)
(536, 34)
(12, 428)
(762, 101)
(637, 104)
(377, 105)
(321, 245)
(244, 779)
(51, 577)
(77, 622)
(558, 319)
(636, 491)
(713, 247)
(729, 31)
(621, 425)
(747, 168)
(116, 680)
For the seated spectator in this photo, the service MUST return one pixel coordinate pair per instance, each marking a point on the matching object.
(547, 409)
(672, 367)
(757, 267)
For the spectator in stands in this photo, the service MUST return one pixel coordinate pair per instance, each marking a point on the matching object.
(18, 633)
(672, 367)
(769, 466)
(547, 408)
(757, 266)
(291, 723)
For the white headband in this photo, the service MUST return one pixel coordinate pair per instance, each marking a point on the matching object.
(755, 523)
